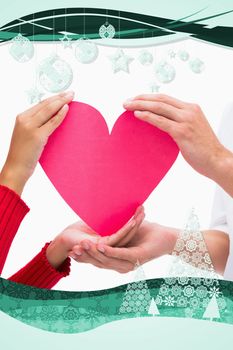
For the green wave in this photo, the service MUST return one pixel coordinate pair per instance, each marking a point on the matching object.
(75, 312)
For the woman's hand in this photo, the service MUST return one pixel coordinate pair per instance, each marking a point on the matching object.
(60, 248)
(31, 132)
(187, 125)
(149, 242)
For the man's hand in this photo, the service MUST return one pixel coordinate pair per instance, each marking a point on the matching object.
(150, 241)
(60, 248)
(187, 125)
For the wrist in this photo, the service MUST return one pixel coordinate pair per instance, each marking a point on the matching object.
(172, 236)
(222, 166)
(13, 179)
(56, 253)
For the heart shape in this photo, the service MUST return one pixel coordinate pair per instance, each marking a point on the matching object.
(103, 177)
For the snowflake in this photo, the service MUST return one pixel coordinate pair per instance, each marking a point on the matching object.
(164, 290)
(194, 302)
(214, 291)
(197, 235)
(201, 292)
(176, 290)
(208, 281)
(185, 235)
(183, 280)
(196, 258)
(182, 302)
(169, 301)
(195, 281)
(202, 246)
(188, 291)
(184, 256)
(179, 245)
(170, 280)
(191, 245)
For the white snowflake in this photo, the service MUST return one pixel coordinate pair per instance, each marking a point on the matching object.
(169, 301)
(191, 245)
(214, 291)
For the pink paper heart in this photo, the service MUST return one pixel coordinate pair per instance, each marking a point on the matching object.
(103, 177)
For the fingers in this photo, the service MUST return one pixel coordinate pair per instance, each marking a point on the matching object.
(160, 122)
(131, 254)
(162, 98)
(117, 237)
(130, 235)
(66, 97)
(97, 258)
(51, 109)
(55, 121)
(85, 258)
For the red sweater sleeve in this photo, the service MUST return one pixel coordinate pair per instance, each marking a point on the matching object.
(12, 212)
(38, 272)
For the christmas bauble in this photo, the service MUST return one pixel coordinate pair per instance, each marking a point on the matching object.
(86, 51)
(165, 72)
(107, 31)
(21, 49)
(145, 58)
(197, 65)
(55, 74)
(183, 55)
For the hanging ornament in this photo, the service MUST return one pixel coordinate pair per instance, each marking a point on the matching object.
(145, 58)
(154, 87)
(183, 55)
(21, 49)
(66, 41)
(120, 61)
(171, 54)
(55, 74)
(107, 31)
(34, 95)
(165, 72)
(86, 51)
(197, 65)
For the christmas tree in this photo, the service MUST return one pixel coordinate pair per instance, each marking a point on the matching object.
(153, 309)
(212, 310)
(137, 297)
(192, 279)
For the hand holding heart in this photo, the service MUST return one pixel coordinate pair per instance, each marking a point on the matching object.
(31, 132)
(187, 125)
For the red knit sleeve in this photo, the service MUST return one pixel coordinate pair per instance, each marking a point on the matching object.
(12, 211)
(39, 273)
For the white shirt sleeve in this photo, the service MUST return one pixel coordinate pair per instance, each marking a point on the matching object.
(223, 203)
(218, 216)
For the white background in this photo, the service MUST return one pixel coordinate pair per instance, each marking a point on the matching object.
(96, 84)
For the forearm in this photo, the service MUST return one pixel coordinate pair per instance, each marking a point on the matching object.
(222, 172)
(12, 179)
(217, 243)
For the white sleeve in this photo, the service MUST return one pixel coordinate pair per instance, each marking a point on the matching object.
(218, 215)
